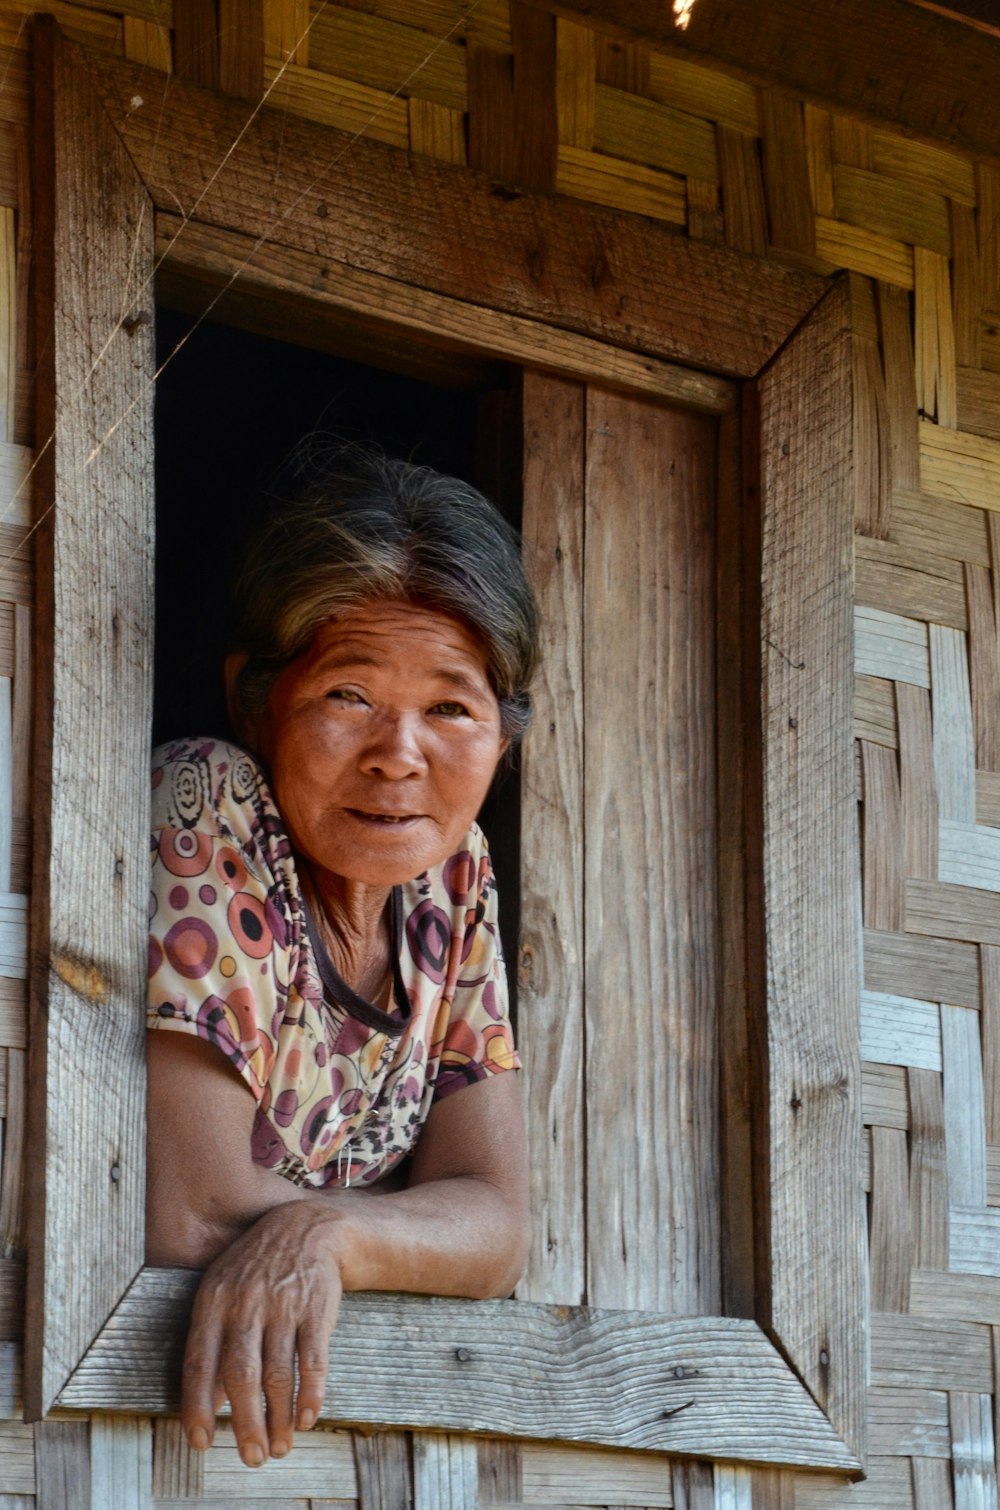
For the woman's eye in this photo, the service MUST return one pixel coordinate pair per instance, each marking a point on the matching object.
(344, 695)
(450, 710)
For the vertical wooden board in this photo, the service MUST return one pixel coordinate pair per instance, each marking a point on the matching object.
(196, 41)
(928, 1171)
(917, 789)
(93, 719)
(972, 1459)
(533, 34)
(872, 444)
(501, 1471)
(819, 152)
(8, 322)
(14, 1158)
(241, 48)
(121, 1463)
(576, 72)
(385, 1474)
(891, 1253)
(967, 298)
(989, 1023)
(786, 174)
(954, 738)
(651, 928)
(550, 967)
(733, 1487)
(883, 890)
(984, 665)
(62, 1465)
(900, 386)
(693, 1486)
(445, 1471)
(935, 338)
(964, 1112)
(932, 1484)
(810, 865)
(988, 195)
(743, 208)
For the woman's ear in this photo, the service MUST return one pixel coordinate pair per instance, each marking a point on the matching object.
(244, 732)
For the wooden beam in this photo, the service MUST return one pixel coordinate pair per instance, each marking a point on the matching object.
(824, 54)
(810, 862)
(707, 1386)
(433, 226)
(94, 496)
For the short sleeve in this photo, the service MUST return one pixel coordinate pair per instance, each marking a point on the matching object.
(216, 961)
(478, 1039)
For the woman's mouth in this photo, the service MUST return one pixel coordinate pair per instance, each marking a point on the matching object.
(389, 820)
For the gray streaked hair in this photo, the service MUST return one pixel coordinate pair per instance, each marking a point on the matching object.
(369, 529)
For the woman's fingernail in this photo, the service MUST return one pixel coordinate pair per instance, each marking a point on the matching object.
(306, 1419)
(253, 1455)
(280, 1449)
(198, 1439)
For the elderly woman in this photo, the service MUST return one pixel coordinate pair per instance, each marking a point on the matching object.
(326, 980)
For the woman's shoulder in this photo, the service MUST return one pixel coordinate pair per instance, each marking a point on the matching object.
(207, 784)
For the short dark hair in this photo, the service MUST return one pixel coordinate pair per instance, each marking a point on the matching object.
(368, 529)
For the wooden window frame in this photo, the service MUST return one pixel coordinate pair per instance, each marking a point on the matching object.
(786, 1389)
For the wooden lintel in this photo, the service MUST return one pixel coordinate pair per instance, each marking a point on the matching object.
(618, 278)
(824, 54)
(708, 1386)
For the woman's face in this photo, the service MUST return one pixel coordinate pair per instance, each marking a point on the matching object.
(381, 740)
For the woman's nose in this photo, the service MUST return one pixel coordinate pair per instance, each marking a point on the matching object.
(395, 750)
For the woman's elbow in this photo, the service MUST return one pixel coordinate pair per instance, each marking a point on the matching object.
(510, 1259)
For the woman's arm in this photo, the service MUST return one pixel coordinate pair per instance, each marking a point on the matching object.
(280, 1256)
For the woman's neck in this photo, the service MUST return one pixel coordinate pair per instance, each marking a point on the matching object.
(355, 921)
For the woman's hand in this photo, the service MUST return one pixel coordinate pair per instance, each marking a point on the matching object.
(268, 1301)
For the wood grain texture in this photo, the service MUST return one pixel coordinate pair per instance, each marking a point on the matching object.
(791, 219)
(62, 1464)
(900, 385)
(935, 968)
(883, 876)
(830, 61)
(445, 1471)
(384, 1469)
(94, 702)
(890, 645)
(918, 791)
(972, 1456)
(742, 179)
(810, 863)
(121, 1462)
(954, 736)
(928, 1170)
(934, 339)
(290, 279)
(508, 1368)
(929, 1354)
(984, 659)
(872, 445)
(932, 1484)
(651, 923)
(550, 963)
(567, 264)
(890, 1238)
(964, 1115)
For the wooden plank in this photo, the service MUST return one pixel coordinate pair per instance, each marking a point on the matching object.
(576, 67)
(810, 862)
(445, 1472)
(147, 43)
(973, 1244)
(830, 62)
(786, 174)
(968, 302)
(963, 467)
(374, 50)
(693, 1486)
(287, 30)
(932, 1484)
(917, 785)
(939, 1295)
(291, 276)
(384, 1469)
(890, 1240)
(984, 654)
(498, 1367)
(972, 1457)
(928, 1170)
(883, 877)
(645, 131)
(936, 524)
(501, 1477)
(891, 208)
(927, 166)
(875, 710)
(954, 738)
(733, 1488)
(926, 1354)
(883, 1096)
(649, 579)
(12, 1234)
(952, 912)
(17, 1465)
(872, 452)
(568, 264)
(550, 960)
(620, 185)
(934, 967)
(533, 45)
(979, 401)
(964, 1114)
(969, 855)
(909, 1422)
(91, 745)
(887, 1486)
(355, 109)
(741, 176)
(900, 1030)
(556, 1475)
(196, 42)
(988, 798)
(989, 1022)
(241, 48)
(717, 96)
(11, 1330)
(890, 645)
(934, 338)
(178, 1472)
(436, 131)
(819, 146)
(121, 1462)
(900, 383)
(864, 251)
(62, 1464)
(988, 195)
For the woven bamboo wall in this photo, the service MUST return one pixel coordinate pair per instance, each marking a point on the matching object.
(919, 227)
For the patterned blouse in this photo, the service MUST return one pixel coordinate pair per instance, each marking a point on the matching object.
(342, 1087)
